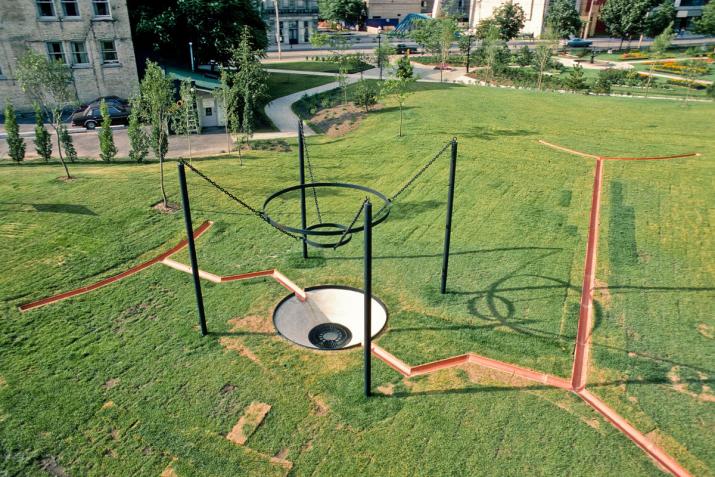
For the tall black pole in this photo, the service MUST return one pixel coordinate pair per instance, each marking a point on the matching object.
(448, 225)
(301, 159)
(367, 285)
(379, 53)
(192, 249)
(469, 49)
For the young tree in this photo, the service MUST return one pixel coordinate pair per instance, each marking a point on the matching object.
(493, 52)
(660, 18)
(706, 23)
(16, 144)
(339, 46)
(43, 142)
(107, 149)
(484, 27)
(138, 139)
(436, 36)
(511, 19)
(382, 55)
(365, 94)
(543, 54)
(525, 56)
(625, 19)
(184, 117)
(343, 11)
(563, 18)
(576, 81)
(250, 81)
(658, 50)
(400, 88)
(48, 84)
(156, 99)
(225, 94)
(68, 144)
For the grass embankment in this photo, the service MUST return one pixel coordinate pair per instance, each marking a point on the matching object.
(119, 382)
(320, 66)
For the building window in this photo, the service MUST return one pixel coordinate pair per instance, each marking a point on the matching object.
(109, 52)
(45, 8)
(79, 53)
(208, 112)
(70, 8)
(101, 8)
(55, 52)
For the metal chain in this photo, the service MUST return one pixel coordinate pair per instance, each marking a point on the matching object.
(355, 219)
(253, 210)
(420, 172)
(310, 172)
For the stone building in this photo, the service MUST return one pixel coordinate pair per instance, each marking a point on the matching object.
(535, 11)
(91, 36)
(297, 18)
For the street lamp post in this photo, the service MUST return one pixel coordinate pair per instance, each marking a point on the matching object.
(379, 50)
(469, 49)
(191, 55)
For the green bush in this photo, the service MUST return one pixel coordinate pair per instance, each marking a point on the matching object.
(107, 149)
(16, 145)
(67, 144)
(524, 57)
(138, 138)
(43, 143)
(365, 94)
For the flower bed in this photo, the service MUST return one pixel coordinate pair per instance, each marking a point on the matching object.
(699, 67)
(635, 55)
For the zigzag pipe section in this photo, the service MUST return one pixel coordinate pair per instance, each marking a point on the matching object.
(136, 269)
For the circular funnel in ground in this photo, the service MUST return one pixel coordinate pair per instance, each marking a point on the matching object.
(331, 318)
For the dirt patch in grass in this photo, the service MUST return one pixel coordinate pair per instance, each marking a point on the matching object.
(603, 294)
(169, 470)
(280, 459)
(237, 344)
(108, 405)
(253, 323)
(248, 423)
(3, 383)
(170, 208)
(706, 393)
(704, 329)
(320, 408)
(110, 383)
(50, 465)
(386, 389)
(339, 120)
(227, 389)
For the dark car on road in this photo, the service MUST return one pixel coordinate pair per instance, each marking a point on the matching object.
(90, 117)
(401, 49)
(579, 43)
(110, 100)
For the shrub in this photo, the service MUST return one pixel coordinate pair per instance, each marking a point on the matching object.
(687, 84)
(602, 85)
(524, 57)
(107, 149)
(16, 145)
(635, 55)
(138, 138)
(43, 143)
(575, 81)
(67, 144)
(365, 94)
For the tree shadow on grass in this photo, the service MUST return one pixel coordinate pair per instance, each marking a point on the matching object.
(488, 133)
(76, 209)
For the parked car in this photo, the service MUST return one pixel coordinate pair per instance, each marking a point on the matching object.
(579, 43)
(401, 49)
(110, 100)
(90, 117)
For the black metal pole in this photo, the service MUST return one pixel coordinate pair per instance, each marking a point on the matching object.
(469, 49)
(448, 224)
(367, 285)
(379, 53)
(192, 248)
(301, 159)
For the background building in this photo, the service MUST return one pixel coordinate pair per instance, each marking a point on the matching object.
(687, 11)
(535, 11)
(298, 18)
(92, 36)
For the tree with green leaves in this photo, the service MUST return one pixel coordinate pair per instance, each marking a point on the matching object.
(339, 46)
(400, 88)
(705, 25)
(436, 36)
(510, 18)
(165, 27)
(659, 50)
(107, 148)
(493, 52)
(626, 19)
(484, 27)
(365, 94)
(660, 18)
(250, 81)
(15, 144)
(543, 54)
(48, 85)
(382, 54)
(156, 104)
(563, 18)
(524, 57)
(184, 117)
(43, 141)
(576, 80)
(226, 95)
(343, 11)
(138, 139)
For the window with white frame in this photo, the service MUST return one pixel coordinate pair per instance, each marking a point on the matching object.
(45, 8)
(79, 53)
(55, 51)
(70, 8)
(101, 8)
(109, 52)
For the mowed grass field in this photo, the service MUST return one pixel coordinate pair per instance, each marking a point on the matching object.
(119, 381)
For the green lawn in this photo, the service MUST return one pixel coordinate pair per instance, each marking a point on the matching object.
(322, 66)
(119, 382)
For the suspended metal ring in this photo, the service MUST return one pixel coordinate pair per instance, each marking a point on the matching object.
(329, 229)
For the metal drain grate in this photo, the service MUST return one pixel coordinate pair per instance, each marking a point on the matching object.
(330, 336)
